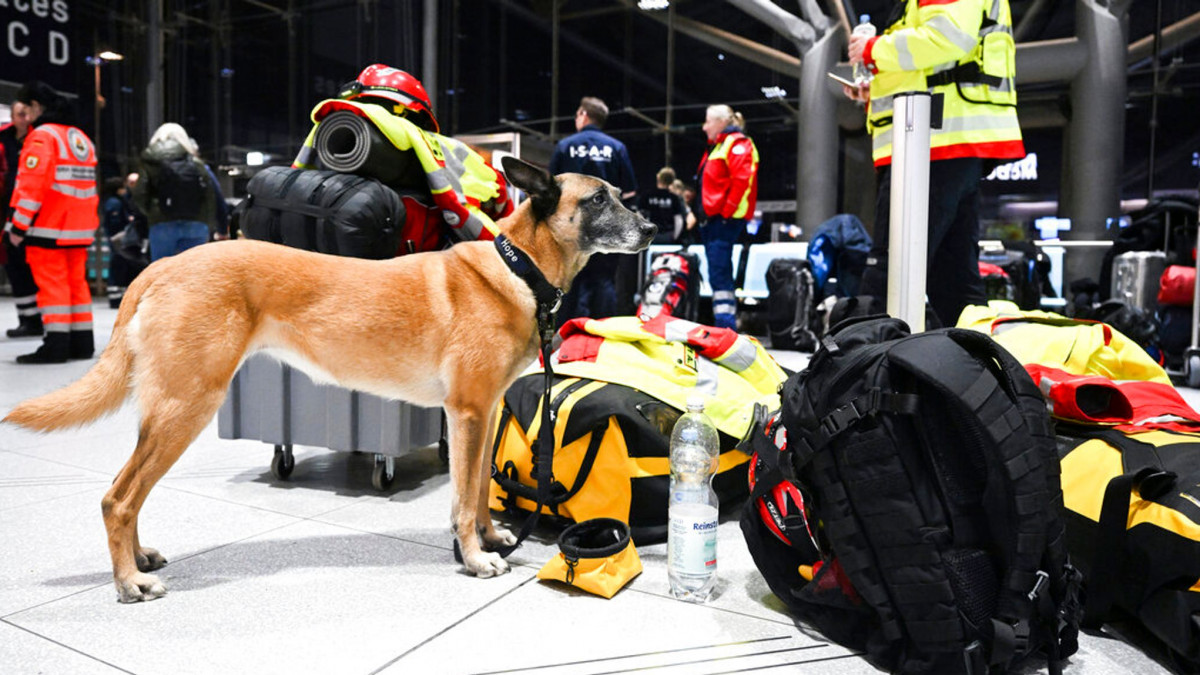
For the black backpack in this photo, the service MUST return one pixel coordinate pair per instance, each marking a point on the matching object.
(791, 298)
(182, 185)
(930, 466)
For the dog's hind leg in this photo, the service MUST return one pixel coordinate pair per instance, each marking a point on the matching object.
(467, 424)
(169, 424)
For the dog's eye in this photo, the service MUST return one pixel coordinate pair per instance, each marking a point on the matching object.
(599, 198)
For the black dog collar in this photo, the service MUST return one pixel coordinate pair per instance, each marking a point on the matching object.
(548, 296)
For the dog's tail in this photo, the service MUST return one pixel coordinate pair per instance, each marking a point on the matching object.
(100, 391)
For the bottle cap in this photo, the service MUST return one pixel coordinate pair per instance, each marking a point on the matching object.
(864, 18)
(695, 402)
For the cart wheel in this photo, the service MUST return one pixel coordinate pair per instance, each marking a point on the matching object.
(283, 462)
(381, 478)
(444, 451)
(1193, 371)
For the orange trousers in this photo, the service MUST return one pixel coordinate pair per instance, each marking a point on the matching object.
(63, 293)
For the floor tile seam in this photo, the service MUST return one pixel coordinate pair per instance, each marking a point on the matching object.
(8, 509)
(450, 627)
(790, 663)
(65, 646)
(58, 462)
(713, 607)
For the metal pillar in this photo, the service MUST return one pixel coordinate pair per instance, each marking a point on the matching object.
(908, 246)
(1094, 139)
(817, 135)
(429, 60)
(154, 67)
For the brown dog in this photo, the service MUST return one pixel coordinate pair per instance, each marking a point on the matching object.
(452, 328)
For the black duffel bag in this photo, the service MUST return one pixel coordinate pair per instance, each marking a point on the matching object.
(323, 211)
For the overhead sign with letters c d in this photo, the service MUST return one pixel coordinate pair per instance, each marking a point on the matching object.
(39, 43)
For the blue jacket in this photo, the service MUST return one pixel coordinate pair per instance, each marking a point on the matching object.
(594, 153)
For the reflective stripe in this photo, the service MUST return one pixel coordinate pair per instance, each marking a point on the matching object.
(28, 311)
(305, 156)
(994, 11)
(440, 180)
(81, 309)
(62, 145)
(25, 299)
(960, 38)
(81, 325)
(996, 28)
(70, 191)
(28, 204)
(741, 357)
(55, 327)
(54, 233)
(75, 172)
(952, 125)
(903, 54)
(707, 374)
(22, 218)
(56, 309)
(677, 331)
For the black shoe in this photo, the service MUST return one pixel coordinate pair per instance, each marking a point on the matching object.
(54, 349)
(82, 345)
(31, 326)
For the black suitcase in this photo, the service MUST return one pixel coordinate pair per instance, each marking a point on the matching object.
(790, 304)
(323, 211)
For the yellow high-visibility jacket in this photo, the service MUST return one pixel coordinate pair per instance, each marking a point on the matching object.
(962, 50)
(670, 359)
(471, 194)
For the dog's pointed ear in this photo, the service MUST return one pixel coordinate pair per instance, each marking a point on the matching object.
(541, 187)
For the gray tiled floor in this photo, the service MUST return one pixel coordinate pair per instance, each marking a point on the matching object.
(324, 575)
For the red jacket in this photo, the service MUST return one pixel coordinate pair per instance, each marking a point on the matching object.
(729, 176)
(54, 203)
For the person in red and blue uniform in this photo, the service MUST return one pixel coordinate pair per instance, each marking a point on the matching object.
(728, 176)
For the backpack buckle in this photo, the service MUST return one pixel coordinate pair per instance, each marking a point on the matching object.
(1042, 578)
(841, 419)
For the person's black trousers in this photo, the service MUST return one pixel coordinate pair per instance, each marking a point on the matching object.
(953, 280)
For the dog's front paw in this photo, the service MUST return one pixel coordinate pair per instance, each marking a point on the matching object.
(484, 565)
(149, 559)
(498, 537)
(139, 587)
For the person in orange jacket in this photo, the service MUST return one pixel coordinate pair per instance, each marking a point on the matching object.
(54, 214)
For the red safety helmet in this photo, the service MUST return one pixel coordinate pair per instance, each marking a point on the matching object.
(782, 507)
(380, 81)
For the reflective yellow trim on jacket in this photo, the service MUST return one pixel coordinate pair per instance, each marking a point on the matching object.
(979, 119)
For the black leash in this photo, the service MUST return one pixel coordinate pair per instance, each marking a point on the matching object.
(549, 298)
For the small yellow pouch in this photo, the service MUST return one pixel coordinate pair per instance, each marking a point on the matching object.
(595, 555)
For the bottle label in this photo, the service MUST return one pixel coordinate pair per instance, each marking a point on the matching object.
(692, 539)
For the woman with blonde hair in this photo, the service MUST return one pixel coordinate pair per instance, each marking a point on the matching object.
(728, 176)
(178, 193)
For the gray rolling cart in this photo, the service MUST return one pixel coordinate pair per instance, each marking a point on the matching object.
(274, 403)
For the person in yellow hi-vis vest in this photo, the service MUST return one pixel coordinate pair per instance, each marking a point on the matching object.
(962, 52)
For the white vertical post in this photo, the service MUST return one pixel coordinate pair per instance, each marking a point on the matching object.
(909, 222)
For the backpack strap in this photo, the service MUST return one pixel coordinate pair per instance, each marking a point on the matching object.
(1017, 441)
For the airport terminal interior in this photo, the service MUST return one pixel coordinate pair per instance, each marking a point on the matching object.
(309, 526)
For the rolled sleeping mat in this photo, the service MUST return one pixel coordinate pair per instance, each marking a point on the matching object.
(348, 143)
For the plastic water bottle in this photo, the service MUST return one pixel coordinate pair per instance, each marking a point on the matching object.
(866, 29)
(692, 512)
